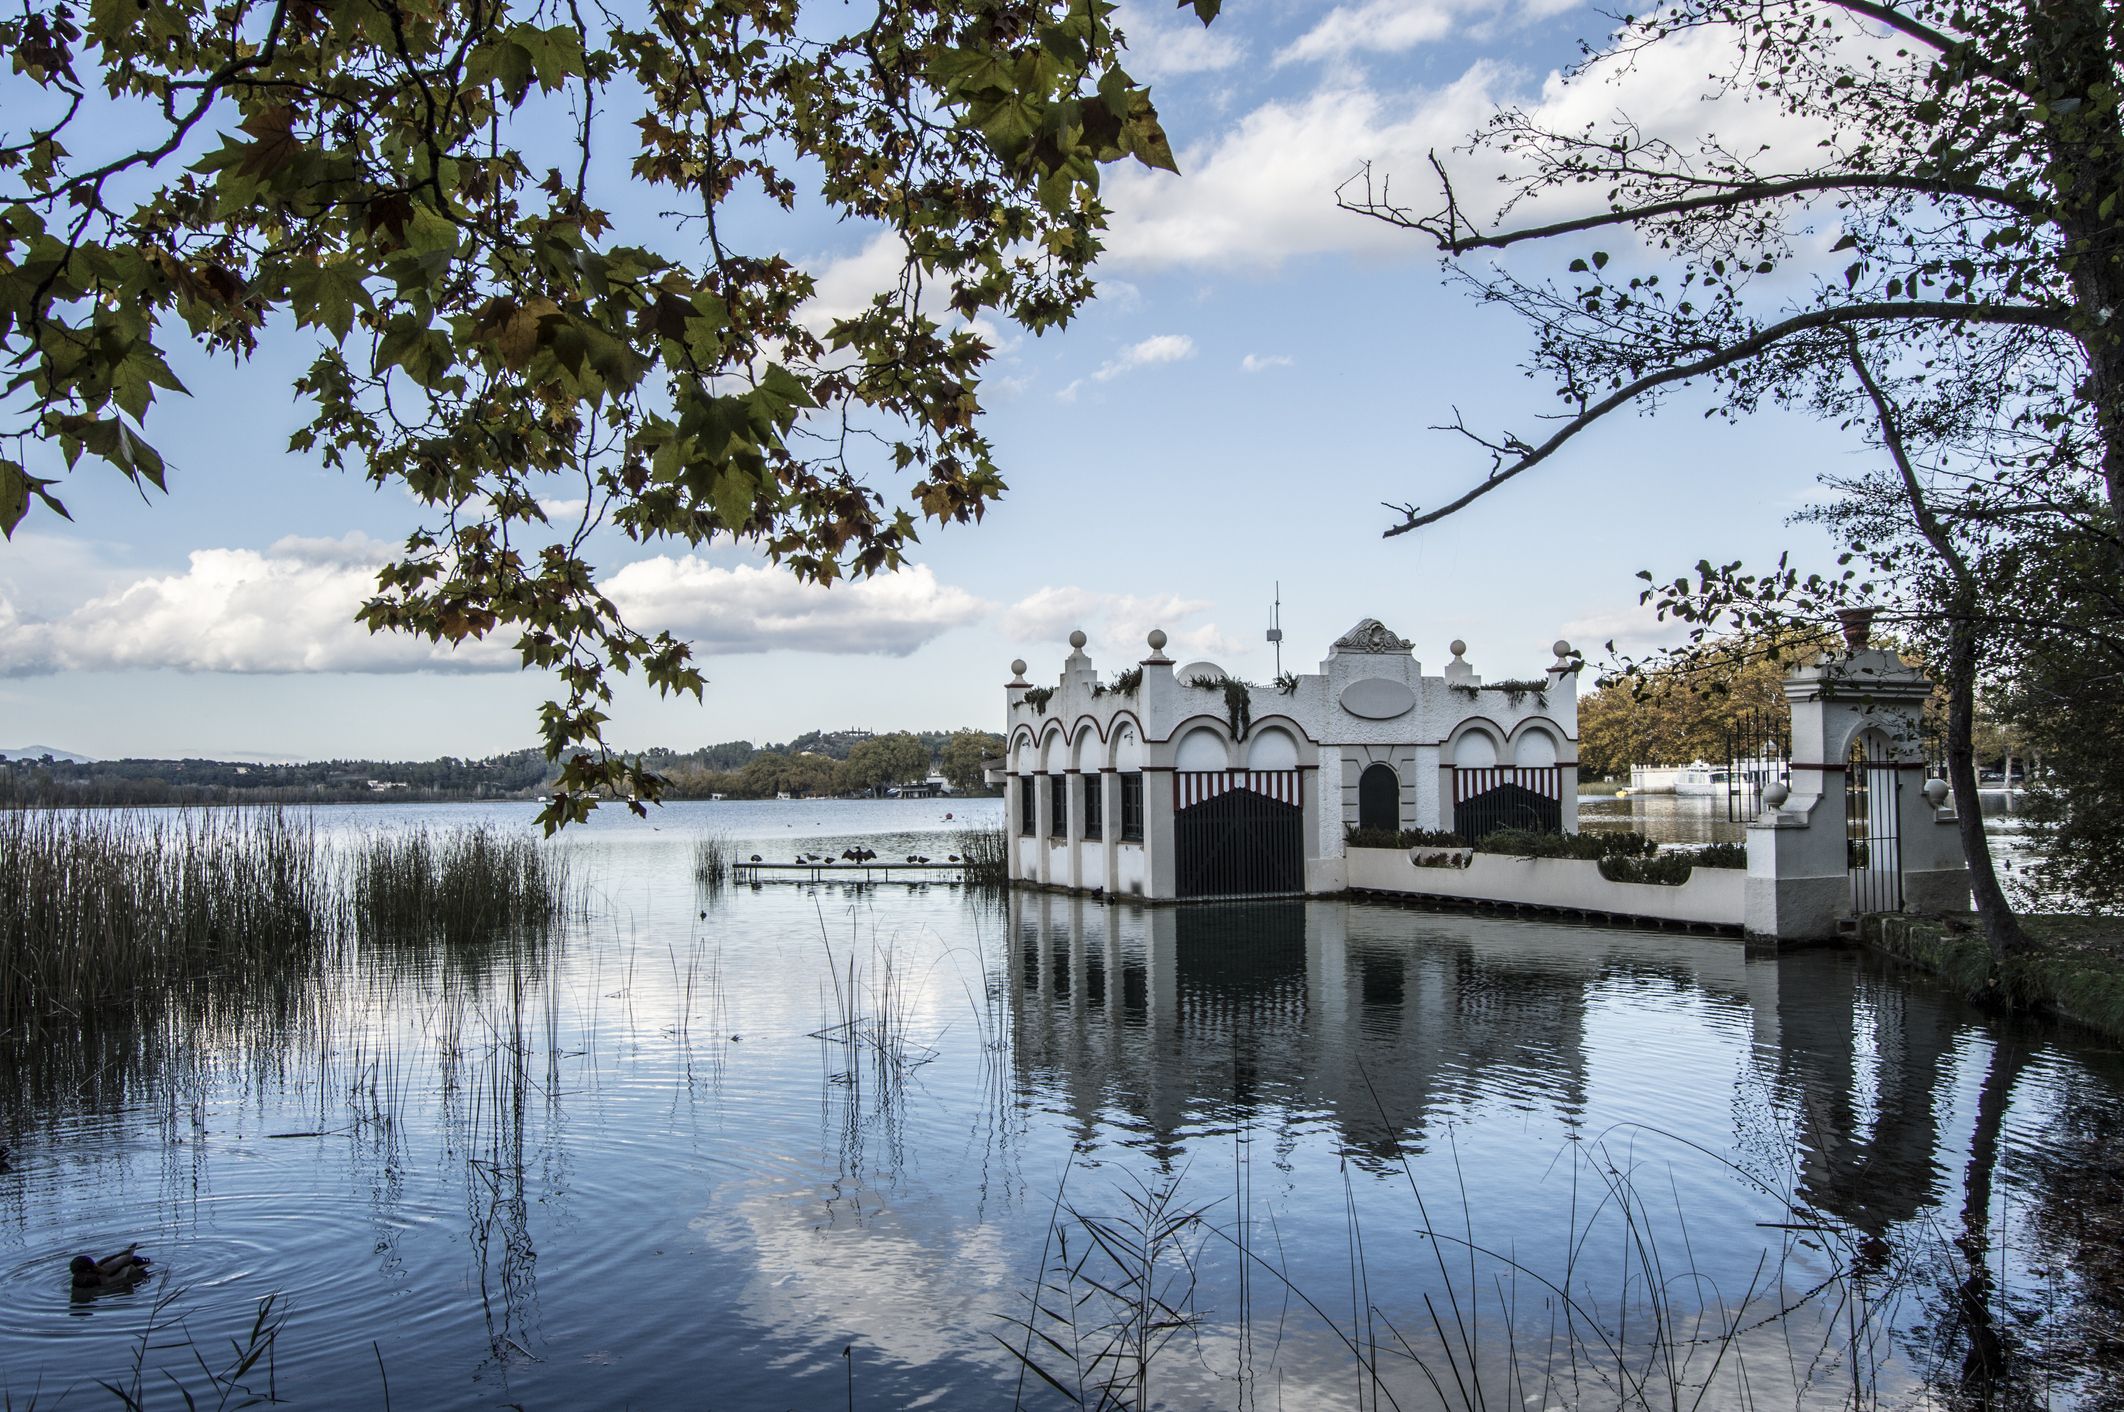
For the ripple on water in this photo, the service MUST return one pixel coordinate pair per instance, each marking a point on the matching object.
(213, 1262)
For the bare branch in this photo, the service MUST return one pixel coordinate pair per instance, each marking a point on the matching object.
(1842, 316)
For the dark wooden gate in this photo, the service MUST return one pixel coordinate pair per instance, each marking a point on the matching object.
(1873, 842)
(1507, 797)
(1238, 833)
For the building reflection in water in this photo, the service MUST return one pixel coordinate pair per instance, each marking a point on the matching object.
(1181, 1022)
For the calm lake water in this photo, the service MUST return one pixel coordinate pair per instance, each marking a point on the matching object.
(791, 1145)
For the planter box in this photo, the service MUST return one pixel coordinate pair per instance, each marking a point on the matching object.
(1711, 896)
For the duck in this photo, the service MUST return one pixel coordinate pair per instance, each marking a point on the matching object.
(120, 1271)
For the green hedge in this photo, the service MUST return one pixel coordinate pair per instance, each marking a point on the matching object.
(1528, 843)
(1403, 838)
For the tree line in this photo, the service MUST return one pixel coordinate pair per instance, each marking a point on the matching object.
(814, 764)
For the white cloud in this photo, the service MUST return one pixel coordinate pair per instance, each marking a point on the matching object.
(1386, 26)
(1158, 348)
(1395, 26)
(755, 608)
(290, 609)
(1167, 44)
(1117, 623)
(1262, 191)
(1262, 362)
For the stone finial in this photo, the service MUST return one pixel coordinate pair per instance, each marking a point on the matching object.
(1017, 673)
(1370, 636)
(1775, 794)
(1857, 624)
(1936, 792)
(1077, 639)
(1562, 650)
(1458, 669)
(1157, 640)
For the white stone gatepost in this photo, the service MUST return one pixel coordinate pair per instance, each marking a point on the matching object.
(1799, 858)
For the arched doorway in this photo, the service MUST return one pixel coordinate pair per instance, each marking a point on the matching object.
(1379, 798)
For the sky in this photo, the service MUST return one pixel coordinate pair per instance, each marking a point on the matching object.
(1260, 372)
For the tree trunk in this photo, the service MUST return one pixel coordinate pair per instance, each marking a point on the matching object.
(2002, 930)
(2070, 59)
(1986, 1351)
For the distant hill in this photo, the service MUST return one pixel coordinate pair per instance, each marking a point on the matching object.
(38, 752)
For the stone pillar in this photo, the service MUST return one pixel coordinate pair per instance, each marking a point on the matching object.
(1799, 880)
(1160, 877)
(1013, 816)
(1563, 709)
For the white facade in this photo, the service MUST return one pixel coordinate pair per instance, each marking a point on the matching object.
(1156, 791)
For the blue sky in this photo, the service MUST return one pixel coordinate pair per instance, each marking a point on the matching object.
(1257, 377)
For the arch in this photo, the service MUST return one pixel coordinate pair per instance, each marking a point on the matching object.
(1125, 750)
(1271, 748)
(1202, 748)
(1535, 747)
(1379, 797)
(1023, 751)
(1084, 755)
(1476, 749)
(1054, 751)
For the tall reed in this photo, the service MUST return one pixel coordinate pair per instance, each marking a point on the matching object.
(987, 855)
(713, 853)
(103, 911)
(465, 886)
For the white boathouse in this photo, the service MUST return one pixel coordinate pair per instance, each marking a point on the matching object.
(1173, 781)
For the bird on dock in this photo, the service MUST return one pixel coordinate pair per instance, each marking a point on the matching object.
(755, 857)
(120, 1271)
(911, 858)
(951, 857)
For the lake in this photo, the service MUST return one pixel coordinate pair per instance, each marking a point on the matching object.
(797, 1145)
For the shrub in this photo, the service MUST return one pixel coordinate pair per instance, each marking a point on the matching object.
(1721, 855)
(1403, 838)
(1529, 843)
(1662, 869)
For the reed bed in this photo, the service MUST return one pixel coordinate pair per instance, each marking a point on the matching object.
(463, 887)
(987, 855)
(713, 853)
(106, 913)
(102, 910)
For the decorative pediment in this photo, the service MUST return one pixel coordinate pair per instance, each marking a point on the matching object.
(1373, 636)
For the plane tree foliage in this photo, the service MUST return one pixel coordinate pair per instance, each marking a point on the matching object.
(1929, 248)
(417, 183)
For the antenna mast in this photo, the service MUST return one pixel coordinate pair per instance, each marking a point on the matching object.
(1275, 632)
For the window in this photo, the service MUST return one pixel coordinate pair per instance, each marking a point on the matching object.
(1379, 798)
(1058, 806)
(1027, 804)
(1132, 806)
(1094, 787)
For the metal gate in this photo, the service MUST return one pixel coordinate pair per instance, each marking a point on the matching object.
(1873, 844)
(1507, 797)
(1758, 755)
(1238, 833)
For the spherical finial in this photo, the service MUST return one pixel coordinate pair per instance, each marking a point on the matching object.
(1935, 792)
(1776, 793)
(1157, 639)
(1017, 667)
(1077, 639)
(1458, 647)
(1561, 648)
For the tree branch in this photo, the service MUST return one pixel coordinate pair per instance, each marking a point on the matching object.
(1814, 319)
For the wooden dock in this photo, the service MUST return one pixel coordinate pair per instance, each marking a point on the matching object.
(860, 872)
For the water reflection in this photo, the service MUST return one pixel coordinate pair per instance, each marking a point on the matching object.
(663, 1156)
(1874, 1109)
